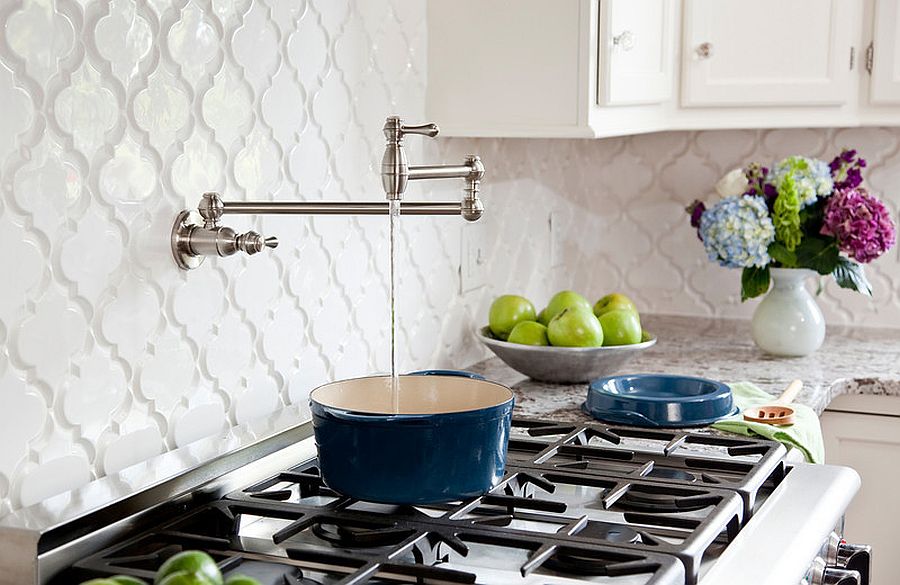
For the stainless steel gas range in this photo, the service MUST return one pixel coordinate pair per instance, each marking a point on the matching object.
(588, 503)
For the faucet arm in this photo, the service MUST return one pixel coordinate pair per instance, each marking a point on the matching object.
(439, 172)
(341, 207)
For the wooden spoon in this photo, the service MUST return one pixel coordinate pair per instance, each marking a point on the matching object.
(778, 413)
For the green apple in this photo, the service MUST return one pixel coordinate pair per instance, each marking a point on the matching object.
(621, 327)
(529, 333)
(99, 582)
(196, 562)
(613, 302)
(562, 300)
(508, 310)
(575, 327)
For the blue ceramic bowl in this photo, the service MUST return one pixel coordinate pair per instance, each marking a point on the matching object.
(448, 441)
(658, 400)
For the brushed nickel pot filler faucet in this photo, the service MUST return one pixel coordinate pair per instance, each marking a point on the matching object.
(193, 240)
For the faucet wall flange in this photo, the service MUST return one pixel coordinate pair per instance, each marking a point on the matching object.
(180, 240)
(192, 241)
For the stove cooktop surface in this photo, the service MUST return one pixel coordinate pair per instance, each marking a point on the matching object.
(588, 503)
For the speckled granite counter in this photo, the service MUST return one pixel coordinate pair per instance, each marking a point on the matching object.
(852, 361)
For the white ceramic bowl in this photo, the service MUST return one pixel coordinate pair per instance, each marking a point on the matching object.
(563, 365)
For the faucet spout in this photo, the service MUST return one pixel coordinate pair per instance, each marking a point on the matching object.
(396, 172)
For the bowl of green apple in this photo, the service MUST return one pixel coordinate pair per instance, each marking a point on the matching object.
(569, 341)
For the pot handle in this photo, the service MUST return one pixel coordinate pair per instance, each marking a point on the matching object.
(622, 417)
(460, 373)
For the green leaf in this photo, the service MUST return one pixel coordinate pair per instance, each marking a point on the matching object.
(818, 254)
(781, 254)
(754, 282)
(850, 274)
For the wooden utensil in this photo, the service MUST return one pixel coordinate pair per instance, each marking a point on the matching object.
(777, 413)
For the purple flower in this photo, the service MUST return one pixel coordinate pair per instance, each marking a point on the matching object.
(845, 169)
(696, 210)
(860, 223)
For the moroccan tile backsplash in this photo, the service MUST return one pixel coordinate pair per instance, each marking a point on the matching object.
(117, 115)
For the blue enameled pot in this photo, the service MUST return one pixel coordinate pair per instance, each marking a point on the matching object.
(447, 441)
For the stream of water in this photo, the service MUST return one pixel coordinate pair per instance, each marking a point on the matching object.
(395, 376)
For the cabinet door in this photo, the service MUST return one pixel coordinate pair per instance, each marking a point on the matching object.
(885, 87)
(871, 445)
(767, 52)
(636, 51)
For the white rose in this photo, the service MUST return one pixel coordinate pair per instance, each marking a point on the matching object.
(733, 183)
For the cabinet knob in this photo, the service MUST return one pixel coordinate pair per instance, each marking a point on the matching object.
(624, 40)
(704, 50)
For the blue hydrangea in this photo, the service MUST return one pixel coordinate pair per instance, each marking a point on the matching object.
(811, 176)
(737, 231)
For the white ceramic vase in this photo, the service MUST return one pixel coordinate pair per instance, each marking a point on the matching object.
(788, 322)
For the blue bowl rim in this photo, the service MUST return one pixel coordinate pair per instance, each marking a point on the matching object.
(598, 386)
(480, 332)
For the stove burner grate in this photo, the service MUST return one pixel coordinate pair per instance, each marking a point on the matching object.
(662, 502)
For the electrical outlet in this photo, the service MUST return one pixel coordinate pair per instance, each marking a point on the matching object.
(473, 257)
(557, 238)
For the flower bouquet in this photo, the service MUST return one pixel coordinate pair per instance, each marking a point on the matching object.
(801, 213)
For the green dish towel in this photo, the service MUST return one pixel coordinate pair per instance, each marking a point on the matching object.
(805, 434)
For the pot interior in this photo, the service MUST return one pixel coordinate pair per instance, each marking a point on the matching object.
(418, 395)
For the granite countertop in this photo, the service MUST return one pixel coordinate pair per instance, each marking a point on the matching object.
(851, 361)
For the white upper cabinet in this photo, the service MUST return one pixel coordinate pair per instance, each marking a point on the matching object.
(885, 54)
(595, 68)
(538, 68)
(636, 48)
(767, 52)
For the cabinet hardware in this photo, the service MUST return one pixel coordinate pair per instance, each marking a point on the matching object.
(870, 56)
(704, 50)
(852, 57)
(624, 40)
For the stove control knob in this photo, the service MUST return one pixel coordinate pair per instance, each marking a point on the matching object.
(834, 576)
(855, 557)
(830, 548)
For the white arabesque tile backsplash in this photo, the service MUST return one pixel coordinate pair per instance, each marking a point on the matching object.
(119, 114)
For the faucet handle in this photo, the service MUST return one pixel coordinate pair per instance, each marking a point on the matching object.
(252, 243)
(430, 130)
(395, 129)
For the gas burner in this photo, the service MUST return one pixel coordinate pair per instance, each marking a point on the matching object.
(661, 502)
(612, 533)
(299, 580)
(673, 474)
(273, 573)
(347, 536)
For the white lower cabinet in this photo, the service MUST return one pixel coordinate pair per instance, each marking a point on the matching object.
(863, 432)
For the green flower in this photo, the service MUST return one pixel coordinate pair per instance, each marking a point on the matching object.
(786, 214)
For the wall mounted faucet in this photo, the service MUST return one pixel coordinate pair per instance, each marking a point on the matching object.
(193, 239)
